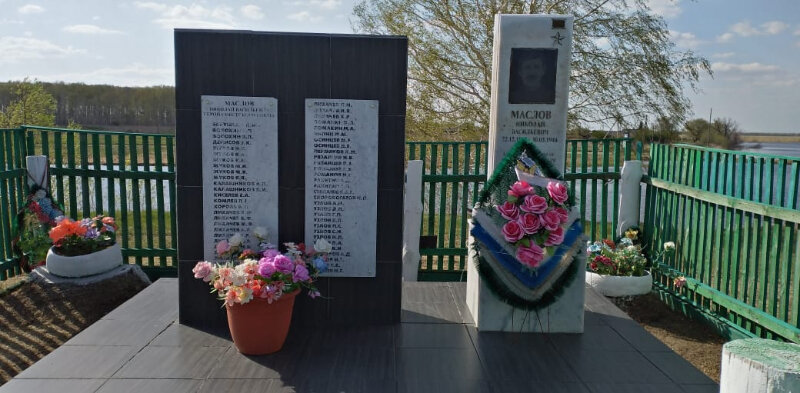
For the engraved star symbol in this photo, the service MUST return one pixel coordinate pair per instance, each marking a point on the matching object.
(557, 38)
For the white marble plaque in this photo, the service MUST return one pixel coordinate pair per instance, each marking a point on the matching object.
(530, 84)
(342, 182)
(240, 168)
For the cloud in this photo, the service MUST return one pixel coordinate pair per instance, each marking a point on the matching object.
(685, 40)
(17, 49)
(304, 16)
(796, 32)
(745, 29)
(727, 37)
(666, 8)
(193, 16)
(30, 9)
(251, 11)
(774, 27)
(744, 68)
(723, 55)
(89, 29)
(324, 4)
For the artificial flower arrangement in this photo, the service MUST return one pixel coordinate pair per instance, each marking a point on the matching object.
(266, 273)
(621, 258)
(72, 238)
(536, 218)
(34, 222)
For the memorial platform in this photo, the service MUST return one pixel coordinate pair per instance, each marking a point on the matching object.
(139, 347)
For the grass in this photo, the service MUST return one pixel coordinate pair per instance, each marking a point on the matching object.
(771, 138)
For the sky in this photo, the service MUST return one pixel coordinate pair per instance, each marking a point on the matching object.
(753, 46)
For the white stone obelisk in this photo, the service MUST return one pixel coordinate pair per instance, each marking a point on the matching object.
(530, 84)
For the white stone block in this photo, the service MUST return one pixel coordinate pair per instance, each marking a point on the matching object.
(756, 365)
(490, 313)
(530, 84)
(412, 220)
(630, 195)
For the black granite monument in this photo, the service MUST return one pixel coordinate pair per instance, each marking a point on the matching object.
(292, 67)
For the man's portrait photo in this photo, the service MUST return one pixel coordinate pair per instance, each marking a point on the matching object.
(532, 78)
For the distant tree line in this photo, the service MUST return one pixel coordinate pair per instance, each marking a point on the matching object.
(103, 106)
(721, 132)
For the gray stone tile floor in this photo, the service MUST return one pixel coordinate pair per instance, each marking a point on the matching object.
(140, 347)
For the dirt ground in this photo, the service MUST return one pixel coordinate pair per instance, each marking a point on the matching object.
(692, 340)
(36, 318)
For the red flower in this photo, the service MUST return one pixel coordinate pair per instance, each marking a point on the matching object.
(610, 243)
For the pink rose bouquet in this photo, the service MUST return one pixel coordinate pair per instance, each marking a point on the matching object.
(266, 273)
(535, 219)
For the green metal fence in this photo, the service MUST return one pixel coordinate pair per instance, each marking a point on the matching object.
(454, 172)
(129, 176)
(12, 196)
(735, 219)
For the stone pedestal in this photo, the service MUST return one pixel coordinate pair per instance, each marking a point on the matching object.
(756, 365)
(490, 313)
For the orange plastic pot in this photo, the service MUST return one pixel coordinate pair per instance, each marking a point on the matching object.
(258, 327)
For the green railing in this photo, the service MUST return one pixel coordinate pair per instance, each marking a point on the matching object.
(12, 196)
(735, 219)
(129, 176)
(454, 172)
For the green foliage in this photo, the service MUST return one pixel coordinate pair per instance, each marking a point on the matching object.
(30, 105)
(722, 132)
(147, 109)
(33, 239)
(623, 68)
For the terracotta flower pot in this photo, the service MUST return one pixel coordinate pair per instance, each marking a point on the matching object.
(258, 327)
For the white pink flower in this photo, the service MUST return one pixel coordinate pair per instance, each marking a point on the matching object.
(558, 192)
(512, 232)
(534, 204)
(520, 189)
(530, 223)
(508, 210)
(203, 270)
(550, 220)
(530, 256)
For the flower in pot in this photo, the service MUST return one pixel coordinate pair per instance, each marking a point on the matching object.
(619, 268)
(258, 288)
(83, 248)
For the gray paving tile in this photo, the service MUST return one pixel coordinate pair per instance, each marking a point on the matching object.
(593, 338)
(425, 302)
(598, 303)
(73, 361)
(625, 367)
(436, 312)
(459, 292)
(347, 383)
(159, 301)
(283, 364)
(700, 388)
(336, 363)
(19, 385)
(117, 332)
(591, 318)
(171, 362)
(677, 368)
(436, 385)
(440, 363)
(177, 335)
(432, 335)
(151, 386)
(635, 334)
(527, 385)
(520, 357)
(361, 336)
(245, 386)
(634, 388)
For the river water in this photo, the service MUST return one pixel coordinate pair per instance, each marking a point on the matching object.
(791, 149)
